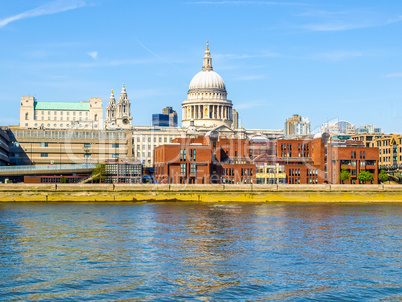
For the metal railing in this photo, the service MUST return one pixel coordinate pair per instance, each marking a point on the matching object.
(48, 167)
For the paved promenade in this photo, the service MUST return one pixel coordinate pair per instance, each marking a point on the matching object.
(200, 193)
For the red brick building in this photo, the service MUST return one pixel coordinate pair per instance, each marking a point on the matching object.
(354, 157)
(203, 160)
(318, 160)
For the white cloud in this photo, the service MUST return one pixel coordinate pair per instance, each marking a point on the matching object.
(350, 21)
(393, 75)
(93, 54)
(47, 9)
(339, 55)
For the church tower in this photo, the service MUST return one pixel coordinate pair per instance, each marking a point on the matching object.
(123, 115)
(110, 122)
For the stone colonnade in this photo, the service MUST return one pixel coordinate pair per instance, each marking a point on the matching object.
(207, 112)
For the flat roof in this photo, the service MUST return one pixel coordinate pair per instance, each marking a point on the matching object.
(81, 106)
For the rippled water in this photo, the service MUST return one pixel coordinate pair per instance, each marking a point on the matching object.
(200, 252)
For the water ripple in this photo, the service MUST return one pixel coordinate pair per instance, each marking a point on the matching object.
(200, 252)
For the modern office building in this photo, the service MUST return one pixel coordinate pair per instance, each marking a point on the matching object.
(123, 172)
(86, 115)
(320, 159)
(4, 147)
(297, 126)
(205, 159)
(51, 146)
(168, 118)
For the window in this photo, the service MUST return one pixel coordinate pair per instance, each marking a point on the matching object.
(192, 169)
(194, 154)
(165, 140)
(26, 116)
(184, 154)
(181, 154)
(44, 155)
(44, 144)
(115, 145)
(183, 169)
(87, 145)
(115, 155)
(87, 155)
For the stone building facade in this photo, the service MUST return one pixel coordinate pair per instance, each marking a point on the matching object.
(118, 115)
(61, 115)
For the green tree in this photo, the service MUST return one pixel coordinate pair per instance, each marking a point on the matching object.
(99, 173)
(365, 176)
(344, 175)
(63, 180)
(383, 176)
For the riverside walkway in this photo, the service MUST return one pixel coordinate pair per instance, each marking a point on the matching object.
(45, 169)
(200, 193)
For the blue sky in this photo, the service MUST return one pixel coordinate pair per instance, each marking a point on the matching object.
(337, 59)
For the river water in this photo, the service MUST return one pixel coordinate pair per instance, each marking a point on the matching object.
(200, 252)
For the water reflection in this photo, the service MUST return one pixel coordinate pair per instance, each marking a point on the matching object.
(195, 251)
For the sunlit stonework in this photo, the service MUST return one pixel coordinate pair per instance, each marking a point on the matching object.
(207, 102)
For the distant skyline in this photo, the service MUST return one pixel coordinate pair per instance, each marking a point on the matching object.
(323, 60)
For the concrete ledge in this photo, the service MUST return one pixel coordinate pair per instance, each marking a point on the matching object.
(357, 188)
(270, 188)
(300, 188)
(84, 187)
(392, 187)
(27, 187)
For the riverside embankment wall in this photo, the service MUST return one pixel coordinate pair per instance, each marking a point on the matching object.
(201, 193)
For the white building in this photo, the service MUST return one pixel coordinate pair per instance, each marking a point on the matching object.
(338, 127)
(61, 115)
(207, 102)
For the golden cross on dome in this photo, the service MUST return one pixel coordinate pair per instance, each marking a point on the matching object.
(123, 86)
(112, 91)
(207, 45)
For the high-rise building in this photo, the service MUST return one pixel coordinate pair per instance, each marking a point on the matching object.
(297, 126)
(168, 118)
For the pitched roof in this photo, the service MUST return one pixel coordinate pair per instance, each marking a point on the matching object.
(81, 106)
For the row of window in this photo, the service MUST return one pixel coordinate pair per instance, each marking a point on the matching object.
(108, 135)
(60, 112)
(60, 119)
(183, 154)
(183, 169)
(165, 139)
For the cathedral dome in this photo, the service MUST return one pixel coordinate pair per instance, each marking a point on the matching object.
(207, 79)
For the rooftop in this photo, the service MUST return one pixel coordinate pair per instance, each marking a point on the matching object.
(81, 106)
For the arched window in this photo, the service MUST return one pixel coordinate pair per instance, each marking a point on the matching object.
(26, 116)
(96, 117)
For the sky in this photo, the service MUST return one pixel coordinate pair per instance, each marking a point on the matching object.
(325, 60)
